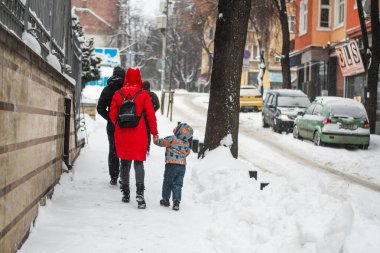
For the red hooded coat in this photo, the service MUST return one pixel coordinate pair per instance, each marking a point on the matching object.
(132, 143)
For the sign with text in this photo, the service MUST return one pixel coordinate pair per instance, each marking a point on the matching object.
(349, 59)
(110, 56)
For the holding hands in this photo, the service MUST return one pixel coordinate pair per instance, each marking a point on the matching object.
(155, 138)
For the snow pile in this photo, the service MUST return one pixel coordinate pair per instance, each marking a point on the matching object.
(31, 42)
(281, 218)
(54, 62)
(91, 94)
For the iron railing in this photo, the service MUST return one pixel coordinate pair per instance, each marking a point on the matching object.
(49, 21)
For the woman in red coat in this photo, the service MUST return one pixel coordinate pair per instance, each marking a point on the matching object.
(132, 143)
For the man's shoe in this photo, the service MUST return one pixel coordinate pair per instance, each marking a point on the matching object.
(165, 202)
(113, 181)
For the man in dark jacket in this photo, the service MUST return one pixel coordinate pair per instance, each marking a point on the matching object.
(114, 83)
(156, 106)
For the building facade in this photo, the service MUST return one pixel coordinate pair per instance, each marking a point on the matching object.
(326, 29)
(100, 20)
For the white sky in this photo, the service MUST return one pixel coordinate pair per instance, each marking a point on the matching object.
(150, 8)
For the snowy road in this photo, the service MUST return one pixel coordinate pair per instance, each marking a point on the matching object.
(348, 165)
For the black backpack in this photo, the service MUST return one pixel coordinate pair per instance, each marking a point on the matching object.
(127, 116)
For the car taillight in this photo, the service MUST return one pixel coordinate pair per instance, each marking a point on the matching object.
(366, 123)
(327, 121)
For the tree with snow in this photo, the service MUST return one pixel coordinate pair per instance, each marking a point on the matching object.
(224, 105)
(90, 62)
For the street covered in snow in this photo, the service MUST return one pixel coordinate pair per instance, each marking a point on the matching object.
(319, 199)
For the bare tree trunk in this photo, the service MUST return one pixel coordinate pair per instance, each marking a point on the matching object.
(223, 110)
(285, 62)
(373, 70)
(372, 58)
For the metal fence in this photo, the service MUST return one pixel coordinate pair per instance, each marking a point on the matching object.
(49, 21)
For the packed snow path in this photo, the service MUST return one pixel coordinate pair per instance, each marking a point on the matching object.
(301, 211)
(87, 215)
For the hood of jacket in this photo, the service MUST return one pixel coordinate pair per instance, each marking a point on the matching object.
(184, 131)
(133, 78)
(115, 82)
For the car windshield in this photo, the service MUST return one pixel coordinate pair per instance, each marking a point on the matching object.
(293, 102)
(249, 92)
(347, 110)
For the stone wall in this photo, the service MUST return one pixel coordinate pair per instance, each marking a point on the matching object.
(32, 96)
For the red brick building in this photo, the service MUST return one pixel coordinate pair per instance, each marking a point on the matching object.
(100, 20)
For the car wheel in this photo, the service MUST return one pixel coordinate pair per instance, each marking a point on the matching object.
(317, 139)
(265, 125)
(296, 134)
(275, 127)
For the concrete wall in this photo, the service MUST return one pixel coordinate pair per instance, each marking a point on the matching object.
(32, 119)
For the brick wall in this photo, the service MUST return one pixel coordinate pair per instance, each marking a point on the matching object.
(107, 10)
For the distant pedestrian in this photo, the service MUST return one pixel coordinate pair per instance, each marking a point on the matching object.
(132, 143)
(114, 83)
(177, 149)
(156, 106)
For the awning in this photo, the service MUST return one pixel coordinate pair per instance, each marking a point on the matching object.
(276, 77)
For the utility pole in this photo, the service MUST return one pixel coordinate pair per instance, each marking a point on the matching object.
(122, 33)
(164, 34)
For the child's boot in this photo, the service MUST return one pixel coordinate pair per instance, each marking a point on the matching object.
(176, 205)
(165, 202)
(125, 190)
(140, 196)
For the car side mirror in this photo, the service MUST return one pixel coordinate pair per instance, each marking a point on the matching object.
(300, 113)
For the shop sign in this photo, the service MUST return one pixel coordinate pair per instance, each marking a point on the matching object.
(349, 59)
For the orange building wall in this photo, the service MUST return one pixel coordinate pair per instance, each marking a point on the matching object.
(352, 14)
(304, 40)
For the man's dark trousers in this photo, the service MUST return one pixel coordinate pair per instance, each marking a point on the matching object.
(113, 160)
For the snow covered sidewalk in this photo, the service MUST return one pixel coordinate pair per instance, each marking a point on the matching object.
(222, 210)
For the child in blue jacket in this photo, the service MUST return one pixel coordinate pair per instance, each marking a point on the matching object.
(177, 149)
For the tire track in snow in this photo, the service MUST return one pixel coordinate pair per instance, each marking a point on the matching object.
(263, 139)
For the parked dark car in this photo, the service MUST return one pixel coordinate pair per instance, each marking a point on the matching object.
(281, 108)
(334, 120)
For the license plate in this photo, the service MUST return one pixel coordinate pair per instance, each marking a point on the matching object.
(349, 127)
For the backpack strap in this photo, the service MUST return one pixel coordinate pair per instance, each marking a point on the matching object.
(137, 93)
(122, 95)
(133, 98)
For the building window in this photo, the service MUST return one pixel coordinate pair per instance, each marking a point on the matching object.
(339, 12)
(292, 22)
(255, 53)
(303, 17)
(324, 13)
